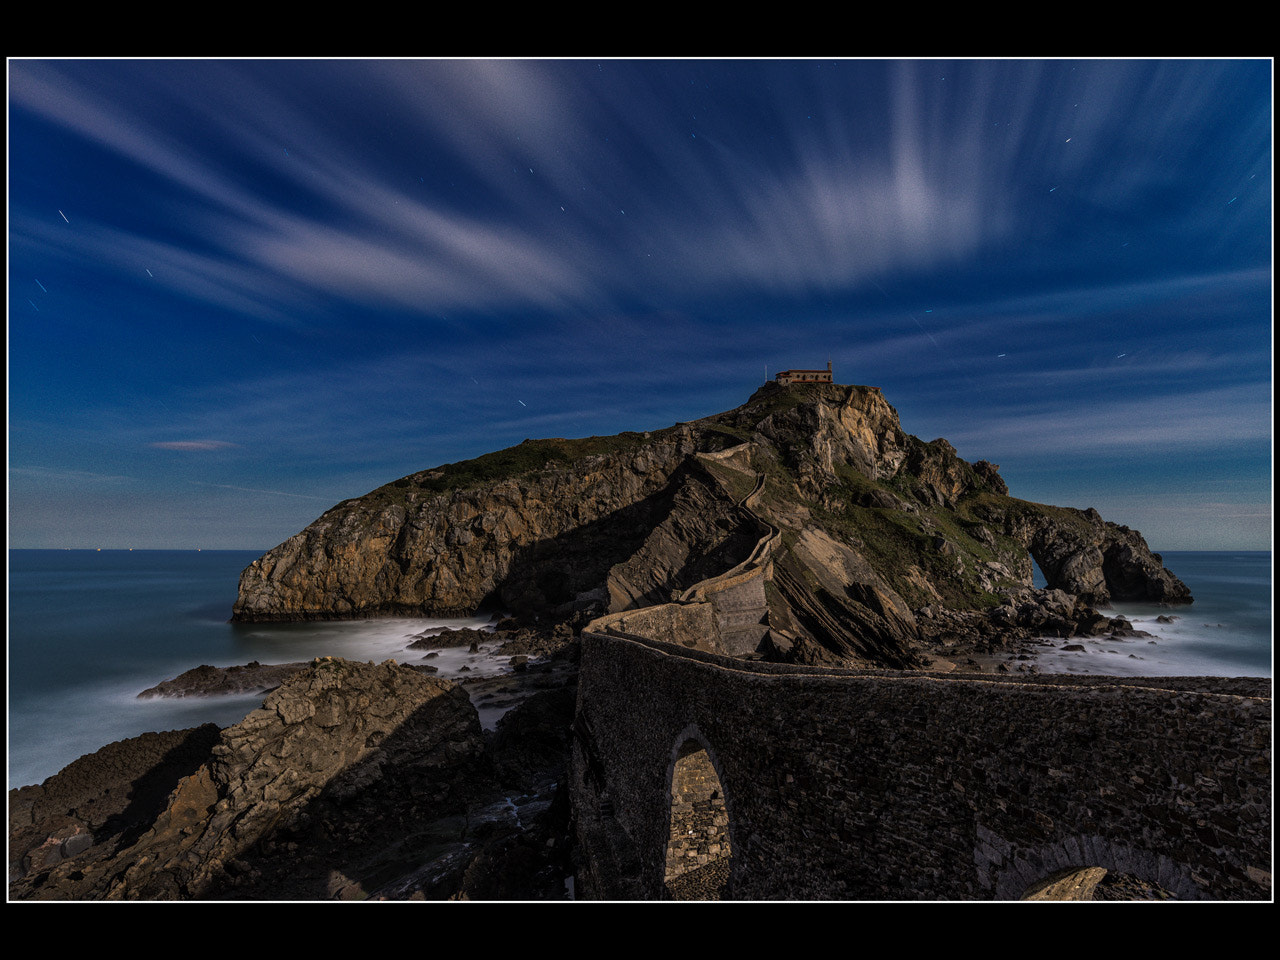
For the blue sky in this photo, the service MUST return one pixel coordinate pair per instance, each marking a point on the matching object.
(241, 291)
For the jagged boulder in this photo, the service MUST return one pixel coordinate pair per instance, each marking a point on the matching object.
(206, 680)
(102, 801)
(990, 474)
(335, 734)
(837, 428)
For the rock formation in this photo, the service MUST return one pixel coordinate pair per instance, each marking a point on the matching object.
(101, 802)
(870, 530)
(206, 680)
(530, 528)
(352, 780)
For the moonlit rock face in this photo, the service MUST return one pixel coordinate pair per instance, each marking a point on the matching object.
(886, 524)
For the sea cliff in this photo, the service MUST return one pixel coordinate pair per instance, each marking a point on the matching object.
(883, 540)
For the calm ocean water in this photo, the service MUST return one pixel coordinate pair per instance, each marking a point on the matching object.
(89, 630)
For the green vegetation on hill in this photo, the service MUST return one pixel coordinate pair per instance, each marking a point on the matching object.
(524, 458)
(516, 461)
(717, 433)
(897, 527)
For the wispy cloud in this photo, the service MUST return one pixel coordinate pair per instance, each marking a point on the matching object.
(1202, 420)
(554, 210)
(274, 493)
(561, 238)
(355, 267)
(56, 475)
(192, 445)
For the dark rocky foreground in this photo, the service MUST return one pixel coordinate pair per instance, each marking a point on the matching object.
(712, 883)
(353, 781)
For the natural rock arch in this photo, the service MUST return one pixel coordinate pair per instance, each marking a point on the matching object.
(699, 844)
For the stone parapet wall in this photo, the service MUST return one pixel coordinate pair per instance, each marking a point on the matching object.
(731, 619)
(741, 612)
(679, 624)
(842, 784)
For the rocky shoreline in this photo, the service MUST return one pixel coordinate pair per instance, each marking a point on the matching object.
(353, 781)
(434, 809)
(1011, 637)
(493, 825)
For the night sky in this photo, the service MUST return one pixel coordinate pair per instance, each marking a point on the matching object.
(242, 291)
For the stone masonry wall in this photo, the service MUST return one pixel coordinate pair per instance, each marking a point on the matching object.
(728, 616)
(878, 785)
(742, 613)
(683, 624)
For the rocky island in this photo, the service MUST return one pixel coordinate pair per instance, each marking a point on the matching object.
(803, 533)
(888, 547)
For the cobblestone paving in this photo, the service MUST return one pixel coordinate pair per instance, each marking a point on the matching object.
(705, 883)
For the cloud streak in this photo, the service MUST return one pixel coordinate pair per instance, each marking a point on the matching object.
(274, 493)
(193, 446)
(353, 268)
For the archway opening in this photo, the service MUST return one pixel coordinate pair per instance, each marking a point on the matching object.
(698, 849)
(1038, 579)
(1096, 883)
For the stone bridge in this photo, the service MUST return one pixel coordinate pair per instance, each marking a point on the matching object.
(812, 783)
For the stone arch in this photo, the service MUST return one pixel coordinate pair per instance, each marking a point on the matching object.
(1072, 867)
(1038, 578)
(700, 827)
(1047, 563)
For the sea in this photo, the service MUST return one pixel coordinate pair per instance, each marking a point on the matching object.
(88, 630)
